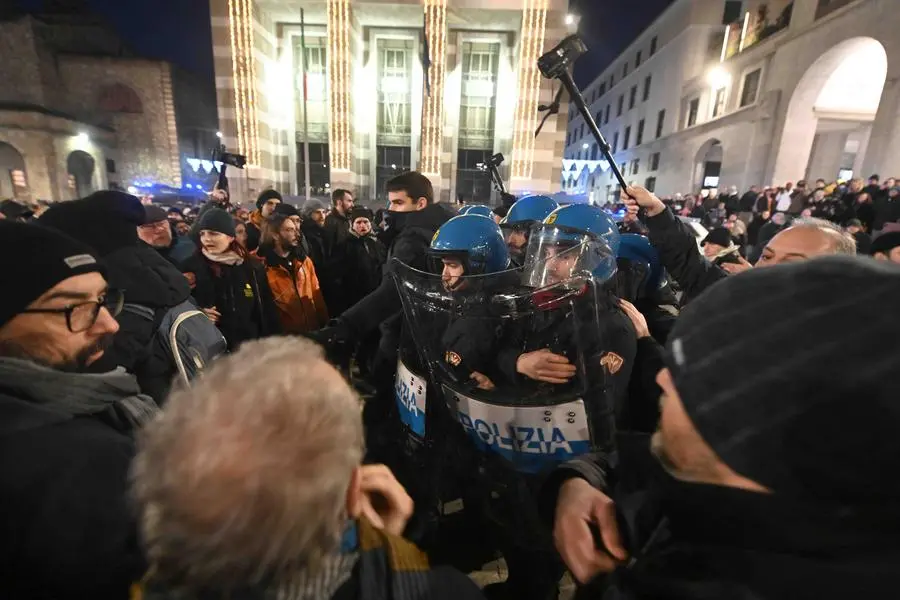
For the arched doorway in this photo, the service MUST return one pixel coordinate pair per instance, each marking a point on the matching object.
(829, 120)
(708, 165)
(13, 181)
(80, 166)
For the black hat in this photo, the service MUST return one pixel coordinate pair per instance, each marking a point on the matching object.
(286, 209)
(216, 219)
(106, 221)
(885, 242)
(267, 195)
(52, 257)
(155, 214)
(719, 236)
(361, 212)
(819, 422)
(14, 211)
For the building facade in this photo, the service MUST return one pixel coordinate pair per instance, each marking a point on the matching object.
(374, 88)
(715, 94)
(78, 112)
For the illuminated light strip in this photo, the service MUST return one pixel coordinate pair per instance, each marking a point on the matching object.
(433, 105)
(534, 21)
(744, 31)
(339, 83)
(725, 43)
(244, 71)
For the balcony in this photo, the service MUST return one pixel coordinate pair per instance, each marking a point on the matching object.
(756, 26)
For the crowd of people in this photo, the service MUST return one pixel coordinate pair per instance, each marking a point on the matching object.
(663, 416)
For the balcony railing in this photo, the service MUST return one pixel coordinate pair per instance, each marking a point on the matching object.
(755, 27)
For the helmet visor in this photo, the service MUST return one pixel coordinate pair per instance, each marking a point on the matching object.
(558, 255)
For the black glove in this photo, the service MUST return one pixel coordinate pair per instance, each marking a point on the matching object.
(337, 339)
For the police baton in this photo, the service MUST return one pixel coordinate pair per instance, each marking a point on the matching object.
(555, 65)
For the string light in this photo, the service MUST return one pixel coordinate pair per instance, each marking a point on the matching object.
(433, 105)
(534, 21)
(240, 29)
(338, 12)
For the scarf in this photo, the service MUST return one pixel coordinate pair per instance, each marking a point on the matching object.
(230, 258)
(79, 394)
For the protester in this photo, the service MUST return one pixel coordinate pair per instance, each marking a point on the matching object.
(240, 233)
(863, 240)
(265, 206)
(265, 493)
(313, 230)
(864, 211)
(719, 247)
(337, 223)
(159, 232)
(804, 239)
(230, 285)
(887, 247)
(362, 257)
(743, 492)
(747, 204)
(292, 277)
(65, 436)
(108, 222)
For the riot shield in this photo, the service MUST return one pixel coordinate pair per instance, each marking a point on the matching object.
(472, 338)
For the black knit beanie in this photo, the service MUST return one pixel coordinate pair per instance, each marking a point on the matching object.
(719, 236)
(106, 221)
(33, 259)
(216, 219)
(286, 209)
(267, 195)
(806, 401)
(361, 212)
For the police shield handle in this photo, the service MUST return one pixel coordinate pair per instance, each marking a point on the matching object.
(543, 365)
(213, 314)
(578, 507)
(636, 197)
(385, 503)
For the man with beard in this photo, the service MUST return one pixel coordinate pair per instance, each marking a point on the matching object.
(765, 479)
(292, 277)
(66, 437)
(337, 223)
(108, 222)
(158, 231)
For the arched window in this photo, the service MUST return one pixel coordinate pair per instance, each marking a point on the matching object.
(118, 98)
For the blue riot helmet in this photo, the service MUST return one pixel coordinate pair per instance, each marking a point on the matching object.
(522, 216)
(644, 269)
(476, 242)
(481, 210)
(574, 243)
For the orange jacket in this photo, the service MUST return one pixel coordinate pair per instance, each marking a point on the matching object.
(301, 306)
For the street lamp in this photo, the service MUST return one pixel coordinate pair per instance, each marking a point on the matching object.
(219, 134)
(570, 19)
(718, 77)
(83, 138)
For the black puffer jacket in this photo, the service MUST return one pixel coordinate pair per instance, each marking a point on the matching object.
(361, 260)
(150, 281)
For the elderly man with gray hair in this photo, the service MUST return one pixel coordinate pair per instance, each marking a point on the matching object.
(250, 489)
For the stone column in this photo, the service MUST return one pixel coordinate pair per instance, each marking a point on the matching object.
(883, 151)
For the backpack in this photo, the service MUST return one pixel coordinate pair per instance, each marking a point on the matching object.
(187, 335)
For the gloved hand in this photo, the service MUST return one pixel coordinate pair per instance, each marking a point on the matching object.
(337, 339)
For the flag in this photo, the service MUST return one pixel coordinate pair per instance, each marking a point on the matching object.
(426, 53)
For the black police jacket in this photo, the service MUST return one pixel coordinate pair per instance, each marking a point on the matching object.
(408, 239)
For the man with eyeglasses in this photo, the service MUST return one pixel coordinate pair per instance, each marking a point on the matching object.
(158, 232)
(66, 437)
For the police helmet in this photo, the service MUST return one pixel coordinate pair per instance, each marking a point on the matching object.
(574, 242)
(481, 210)
(530, 209)
(477, 240)
(644, 261)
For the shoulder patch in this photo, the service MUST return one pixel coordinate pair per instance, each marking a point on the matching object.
(453, 358)
(613, 362)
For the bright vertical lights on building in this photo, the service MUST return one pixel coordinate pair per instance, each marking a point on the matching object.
(339, 83)
(433, 105)
(534, 20)
(240, 29)
(725, 43)
(744, 31)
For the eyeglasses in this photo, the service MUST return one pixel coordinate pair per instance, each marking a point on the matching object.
(81, 317)
(161, 225)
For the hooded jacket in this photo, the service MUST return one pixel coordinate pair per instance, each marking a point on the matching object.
(407, 237)
(66, 530)
(296, 290)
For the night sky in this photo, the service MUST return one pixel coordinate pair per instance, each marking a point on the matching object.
(178, 30)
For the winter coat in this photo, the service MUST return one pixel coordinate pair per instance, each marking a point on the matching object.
(361, 259)
(295, 287)
(337, 230)
(67, 529)
(865, 212)
(150, 281)
(690, 541)
(254, 230)
(408, 238)
(747, 202)
(241, 293)
(679, 254)
(181, 249)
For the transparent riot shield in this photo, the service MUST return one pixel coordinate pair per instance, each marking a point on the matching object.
(510, 371)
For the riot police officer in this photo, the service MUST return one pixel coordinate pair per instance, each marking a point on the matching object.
(522, 216)
(482, 210)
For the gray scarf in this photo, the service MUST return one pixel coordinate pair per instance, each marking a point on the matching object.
(79, 394)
